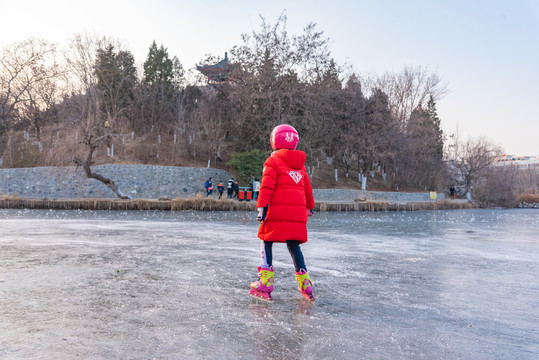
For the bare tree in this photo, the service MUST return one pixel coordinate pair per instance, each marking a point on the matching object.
(87, 118)
(497, 186)
(23, 67)
(409, 89)
(275, 69)
(40, 105)
(91, 145)
(473, 157)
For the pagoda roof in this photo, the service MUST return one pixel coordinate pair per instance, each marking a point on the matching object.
(218, 72)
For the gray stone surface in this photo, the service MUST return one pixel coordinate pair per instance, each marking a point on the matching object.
(151, 182)
(344, 195)
(137, 181)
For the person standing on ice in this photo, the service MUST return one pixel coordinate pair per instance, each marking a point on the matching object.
(284, 203)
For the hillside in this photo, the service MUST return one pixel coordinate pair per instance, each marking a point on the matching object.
(57, 147)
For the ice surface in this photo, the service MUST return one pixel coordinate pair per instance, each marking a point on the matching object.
(174, 285)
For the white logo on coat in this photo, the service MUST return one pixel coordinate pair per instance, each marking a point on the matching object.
(296, 176)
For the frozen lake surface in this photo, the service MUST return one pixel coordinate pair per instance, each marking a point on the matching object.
(174, 285)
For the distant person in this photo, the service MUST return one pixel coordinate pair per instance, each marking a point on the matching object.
(452, 192)
(284, 205)
(236, 188)
(220, 188)
(256, 188)
(230, 188)
(209, 188)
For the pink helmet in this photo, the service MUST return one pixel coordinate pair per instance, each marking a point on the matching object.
(284, 136)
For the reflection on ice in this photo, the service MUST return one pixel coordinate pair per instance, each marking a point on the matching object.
(169, 285)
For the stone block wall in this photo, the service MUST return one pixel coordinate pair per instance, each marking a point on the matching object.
(344, 195)
(136, 181)
(151, 182)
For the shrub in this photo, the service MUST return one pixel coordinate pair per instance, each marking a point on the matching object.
(248, 164)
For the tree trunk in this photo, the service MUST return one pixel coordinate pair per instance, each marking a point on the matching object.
(90, 174)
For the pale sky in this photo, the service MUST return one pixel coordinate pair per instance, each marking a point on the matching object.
(487, 51)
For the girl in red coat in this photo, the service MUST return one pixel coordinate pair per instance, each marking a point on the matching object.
(284, 203)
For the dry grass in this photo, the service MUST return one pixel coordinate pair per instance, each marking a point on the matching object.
(200, 203)
(529, 198)
(208, 204)
(8, 197)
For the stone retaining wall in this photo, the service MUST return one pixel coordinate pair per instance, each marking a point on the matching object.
(136, 181)
(151, 182)
(346, 195)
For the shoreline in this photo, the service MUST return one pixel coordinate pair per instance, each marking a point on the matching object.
(208, 204)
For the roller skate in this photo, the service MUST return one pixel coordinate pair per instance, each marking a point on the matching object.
(262, 288)
(305, 286)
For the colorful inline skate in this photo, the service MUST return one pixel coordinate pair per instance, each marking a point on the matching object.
(305, 286)
(262, 288)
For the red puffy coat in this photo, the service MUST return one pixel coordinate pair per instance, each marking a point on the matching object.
(287, 190)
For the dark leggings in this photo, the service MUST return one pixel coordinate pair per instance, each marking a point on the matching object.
(294, 250)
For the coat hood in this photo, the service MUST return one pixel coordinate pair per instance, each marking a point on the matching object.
(294, 158)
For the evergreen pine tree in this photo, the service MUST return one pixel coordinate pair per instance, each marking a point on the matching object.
(438, 133)
(158, 68)
(116, 78)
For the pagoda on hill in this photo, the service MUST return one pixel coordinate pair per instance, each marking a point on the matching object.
(219, 73)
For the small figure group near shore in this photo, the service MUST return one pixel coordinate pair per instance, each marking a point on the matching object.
(233, 188)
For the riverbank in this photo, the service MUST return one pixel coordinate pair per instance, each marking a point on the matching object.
(209, 204)
(153, 187)
(154, 182)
